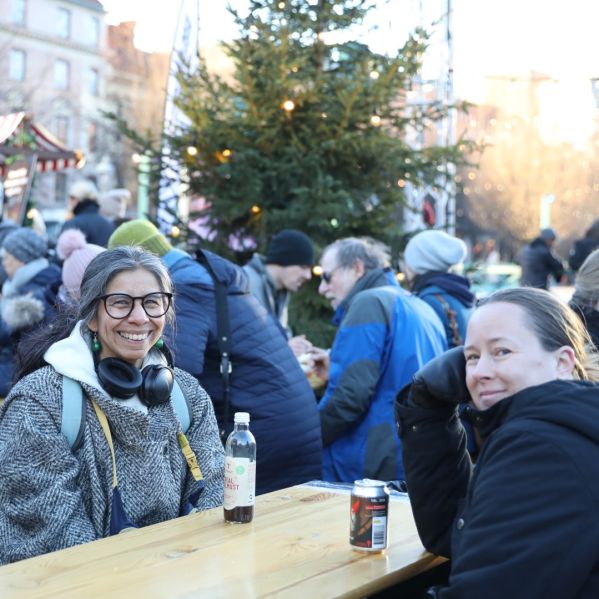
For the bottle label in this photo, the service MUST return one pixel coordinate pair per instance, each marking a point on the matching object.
(240, 482)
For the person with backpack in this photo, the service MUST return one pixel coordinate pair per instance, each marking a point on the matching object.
(255, 371)
(428, 257)
(96, 438)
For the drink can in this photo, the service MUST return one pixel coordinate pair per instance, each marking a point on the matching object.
(369, 511)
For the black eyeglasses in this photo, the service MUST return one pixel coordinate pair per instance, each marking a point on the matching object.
(328, 276)
(120, 305)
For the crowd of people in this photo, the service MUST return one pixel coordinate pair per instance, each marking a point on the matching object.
(123, 361)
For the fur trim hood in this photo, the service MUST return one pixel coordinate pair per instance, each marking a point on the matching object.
(22, 312)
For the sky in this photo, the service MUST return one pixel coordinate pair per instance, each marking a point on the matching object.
(493, 39)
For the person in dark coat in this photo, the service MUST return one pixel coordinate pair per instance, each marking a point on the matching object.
(584, 246)
(523, 523)
(25, 303)
(428, 257)
(538, 261)
(585, 300)
(83, 202)
(266, 379)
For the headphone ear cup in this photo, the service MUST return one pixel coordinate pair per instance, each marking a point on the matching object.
(157, 384)
(119, 378)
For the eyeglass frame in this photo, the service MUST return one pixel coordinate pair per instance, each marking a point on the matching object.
(327, 277)
(169, 297)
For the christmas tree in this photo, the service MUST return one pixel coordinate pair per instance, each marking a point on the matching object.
(310, 132)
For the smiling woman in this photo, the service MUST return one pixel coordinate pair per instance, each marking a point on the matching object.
(126, 470)
(529, 368)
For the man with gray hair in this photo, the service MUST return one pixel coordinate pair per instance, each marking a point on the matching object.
(384, 336)
(83, 203)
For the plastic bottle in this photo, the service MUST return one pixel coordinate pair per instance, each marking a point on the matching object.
(240, 471)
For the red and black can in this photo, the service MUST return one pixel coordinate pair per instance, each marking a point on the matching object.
(369, 510)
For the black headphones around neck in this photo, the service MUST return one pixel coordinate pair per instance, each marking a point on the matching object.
(121, 379)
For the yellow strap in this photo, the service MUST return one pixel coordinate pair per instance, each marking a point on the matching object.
(190, 456)
(106, 429)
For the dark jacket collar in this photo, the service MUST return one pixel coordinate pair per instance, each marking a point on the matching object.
(86, 206)
(454, 285)
(574, 404)
(371, 279)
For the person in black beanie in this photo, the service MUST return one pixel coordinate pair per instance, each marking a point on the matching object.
(274, 277)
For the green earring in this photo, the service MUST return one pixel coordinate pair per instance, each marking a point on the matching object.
(159, 343)
(96, 345)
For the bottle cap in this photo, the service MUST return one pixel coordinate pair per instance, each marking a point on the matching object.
(242, 417)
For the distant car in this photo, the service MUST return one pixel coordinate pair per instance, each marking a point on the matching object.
(487, 278)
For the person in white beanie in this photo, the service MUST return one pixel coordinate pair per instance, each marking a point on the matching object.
(428, 258)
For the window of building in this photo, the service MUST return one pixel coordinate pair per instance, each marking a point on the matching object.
(16, 66)
(93, 82)
(63, 23)
(93, 32)
(61, 74)
(61, 128)
(17, 12)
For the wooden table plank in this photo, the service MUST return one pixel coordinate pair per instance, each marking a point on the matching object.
(297, 546)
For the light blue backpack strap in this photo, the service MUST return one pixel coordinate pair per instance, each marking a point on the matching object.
(72, 419)
(181, 407)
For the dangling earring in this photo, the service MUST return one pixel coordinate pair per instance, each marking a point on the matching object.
(96, 345)
(159, 343)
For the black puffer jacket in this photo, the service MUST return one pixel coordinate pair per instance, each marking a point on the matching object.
(523, 524)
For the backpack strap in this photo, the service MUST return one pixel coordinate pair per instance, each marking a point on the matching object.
(181, 407)
(452, 319)
(72, 420)
(223, 331)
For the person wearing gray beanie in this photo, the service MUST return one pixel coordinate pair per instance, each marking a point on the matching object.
(27, 295)
(286, 266)
(25, 245)
(428, 257)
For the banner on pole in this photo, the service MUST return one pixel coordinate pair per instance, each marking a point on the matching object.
(185, 52)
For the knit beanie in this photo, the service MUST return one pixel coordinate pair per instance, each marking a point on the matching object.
(25, 245)
(113, 203)
(433, 251)
(77, 254)
(143, 233)
(290, 248)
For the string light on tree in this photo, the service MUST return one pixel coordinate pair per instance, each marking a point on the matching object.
(288, 105)
(227, 153)
(192, 151)
(375, 120)
(255, 209)
(374, 75)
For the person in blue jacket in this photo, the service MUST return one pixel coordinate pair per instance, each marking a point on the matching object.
(266, 379)
(428, 257)
(26, 300)
(384, 336)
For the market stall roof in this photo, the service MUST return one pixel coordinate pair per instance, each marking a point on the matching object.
(51, 153)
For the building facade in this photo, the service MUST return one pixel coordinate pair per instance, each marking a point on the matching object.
(62, 63)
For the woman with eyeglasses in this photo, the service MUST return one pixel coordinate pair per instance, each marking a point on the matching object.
(147, 447)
